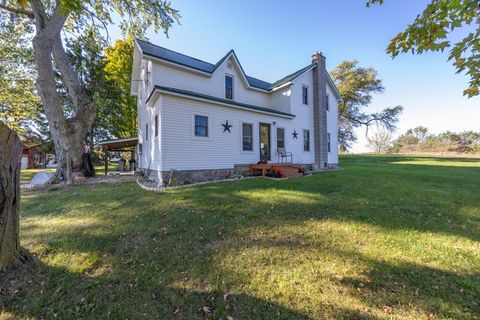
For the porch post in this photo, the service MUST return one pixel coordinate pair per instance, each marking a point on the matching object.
(105, 159)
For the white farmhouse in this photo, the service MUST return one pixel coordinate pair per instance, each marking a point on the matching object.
(206, 120)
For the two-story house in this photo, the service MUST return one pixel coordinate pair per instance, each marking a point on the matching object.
(206, 119)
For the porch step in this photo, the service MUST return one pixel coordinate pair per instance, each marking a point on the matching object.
(291, 172)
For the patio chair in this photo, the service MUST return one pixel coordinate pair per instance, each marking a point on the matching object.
(283, 154)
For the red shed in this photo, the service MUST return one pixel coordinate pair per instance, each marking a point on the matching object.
(32, 157)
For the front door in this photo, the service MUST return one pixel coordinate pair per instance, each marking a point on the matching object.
(264, 141)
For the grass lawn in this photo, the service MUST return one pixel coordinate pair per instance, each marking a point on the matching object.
(27, 174)
(384, 238)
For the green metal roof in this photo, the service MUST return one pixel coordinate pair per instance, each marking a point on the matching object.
(159, 52)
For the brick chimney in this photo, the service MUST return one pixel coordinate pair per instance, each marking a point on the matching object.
(319, 73)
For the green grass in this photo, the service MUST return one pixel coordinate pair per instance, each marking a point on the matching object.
(384, 238)
(27, 174)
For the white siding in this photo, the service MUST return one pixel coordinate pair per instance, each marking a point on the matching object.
(150, 157)
(183, 151)
(170, 76)
(332, 126)
(177, 148)
(281, 100)
(303, 113)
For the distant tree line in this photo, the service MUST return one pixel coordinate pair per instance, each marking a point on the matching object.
(420, 140)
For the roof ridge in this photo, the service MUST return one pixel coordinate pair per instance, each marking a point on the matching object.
(210, 67)
(291, 76)
(170, 50)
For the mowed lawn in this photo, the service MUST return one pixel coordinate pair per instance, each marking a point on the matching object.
(383, 238)
(27, 174)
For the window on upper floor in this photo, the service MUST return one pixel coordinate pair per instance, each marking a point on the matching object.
(201, 126)
(247, 137)
(327, 102)
(306, 140)
(228, 86)
(146, 132)
(305, 95)
(156, 125)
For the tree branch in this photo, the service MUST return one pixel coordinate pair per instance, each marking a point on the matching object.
(104, 24)
(28, 13)
(387, 119)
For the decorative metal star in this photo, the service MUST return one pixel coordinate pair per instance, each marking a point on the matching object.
(295, 134)
(226, 126)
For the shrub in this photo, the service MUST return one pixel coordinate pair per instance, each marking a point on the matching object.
(276, 172)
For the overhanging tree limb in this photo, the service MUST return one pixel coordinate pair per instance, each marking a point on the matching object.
(71, 115)
(431, 29)
(18, 10)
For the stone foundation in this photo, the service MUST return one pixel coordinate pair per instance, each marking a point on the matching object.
(332, 166)
(183, 177)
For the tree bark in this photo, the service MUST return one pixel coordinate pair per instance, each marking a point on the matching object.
(10, 157)
(69, 134)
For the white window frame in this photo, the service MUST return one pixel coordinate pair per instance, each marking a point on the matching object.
(225, 86)
(253, 136)
(308, 95)
(209, 125)
(329, 143)
(309, 140)
(284, 137)
(146, 133)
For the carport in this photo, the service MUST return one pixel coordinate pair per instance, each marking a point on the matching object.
(123, 145)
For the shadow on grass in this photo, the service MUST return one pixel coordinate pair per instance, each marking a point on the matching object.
(400, 288)
(150, 254)
(53, 292)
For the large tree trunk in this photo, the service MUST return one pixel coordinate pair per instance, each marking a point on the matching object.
(10, 156)
(69, 134)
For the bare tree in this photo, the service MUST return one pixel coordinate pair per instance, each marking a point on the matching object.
(380, 141)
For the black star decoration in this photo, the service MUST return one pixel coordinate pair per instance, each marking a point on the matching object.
(226, 126)
(295, 134)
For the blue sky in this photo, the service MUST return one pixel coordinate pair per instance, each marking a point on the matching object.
(275, 38)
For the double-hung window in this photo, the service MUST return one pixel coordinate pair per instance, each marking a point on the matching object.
(247, 137)
(228, 87)
(305, 95)
(156, 125)
(306, 140)
(201, 126)
(280, 138)
(146, 132)
(328, 142)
